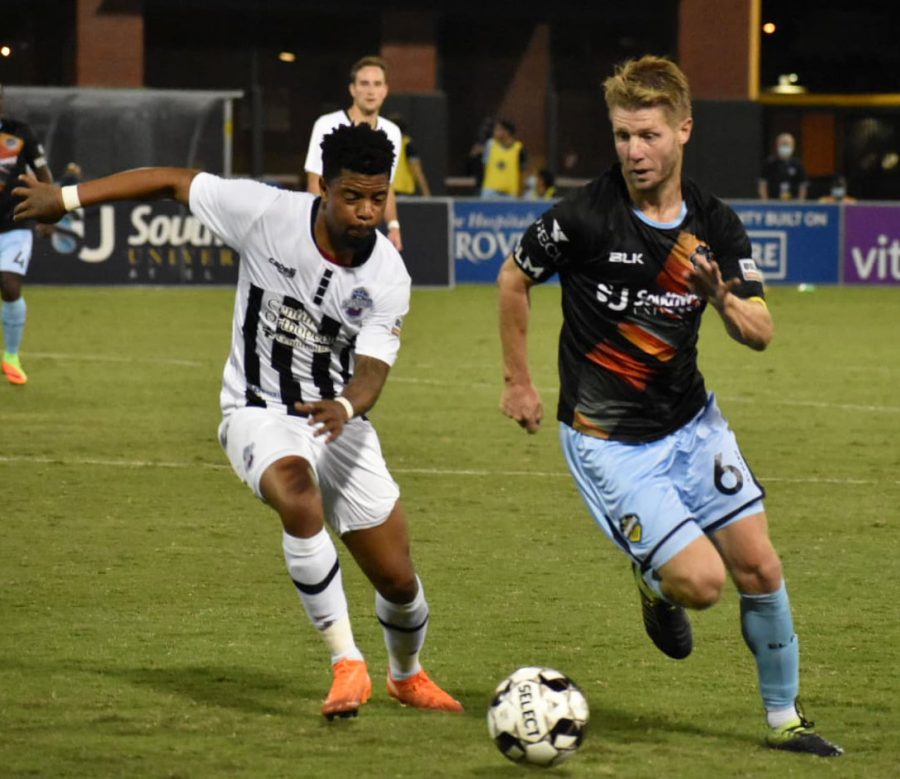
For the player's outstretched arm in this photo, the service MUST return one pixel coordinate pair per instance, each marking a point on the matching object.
(520, 399)
(358, 397)
(45, 202)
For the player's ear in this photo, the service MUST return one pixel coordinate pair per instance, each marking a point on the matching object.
(684, 129)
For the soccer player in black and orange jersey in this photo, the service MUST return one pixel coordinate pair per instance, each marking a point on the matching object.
(19, 151)
(640, 253)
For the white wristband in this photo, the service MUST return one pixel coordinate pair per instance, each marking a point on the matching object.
(348, 406)
(393, 225)
(70, 197)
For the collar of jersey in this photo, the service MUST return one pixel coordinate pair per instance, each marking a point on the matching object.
(661, 225)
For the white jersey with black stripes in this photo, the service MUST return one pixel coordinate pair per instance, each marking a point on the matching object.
(300, 319)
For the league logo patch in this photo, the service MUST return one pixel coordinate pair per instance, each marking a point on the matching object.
(359, 302)
(398, 326)
(630, 525)
(749, 270)
(248, 457)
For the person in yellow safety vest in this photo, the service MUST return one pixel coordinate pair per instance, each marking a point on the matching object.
(410, 177)
(504, 160)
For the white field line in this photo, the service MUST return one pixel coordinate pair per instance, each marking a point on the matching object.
(727, 398)
(109, 358)
(470, 385)
(91, 461)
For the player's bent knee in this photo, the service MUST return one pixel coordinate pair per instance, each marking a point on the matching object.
(699, 590)
(759, 576)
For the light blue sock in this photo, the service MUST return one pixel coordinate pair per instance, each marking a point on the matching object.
(768, 630)
(14, 324)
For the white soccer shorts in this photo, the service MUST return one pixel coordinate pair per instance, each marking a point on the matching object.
(357, 489)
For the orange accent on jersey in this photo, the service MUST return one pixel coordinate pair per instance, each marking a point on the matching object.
(10, 146)
(622, 365)
(584, 425)
(679, 262)
(647, 342)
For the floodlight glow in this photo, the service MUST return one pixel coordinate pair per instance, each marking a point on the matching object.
(287, 56)
(768, 28)
(5, 51)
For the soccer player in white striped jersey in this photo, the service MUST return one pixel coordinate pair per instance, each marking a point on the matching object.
(320, 302)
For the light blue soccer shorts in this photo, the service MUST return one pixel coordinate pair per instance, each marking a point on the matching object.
(652, 499)
(15, 251)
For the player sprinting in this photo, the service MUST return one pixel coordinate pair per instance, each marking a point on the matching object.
(19, 150)
(640, 253)
(320, 302)
(368, 89)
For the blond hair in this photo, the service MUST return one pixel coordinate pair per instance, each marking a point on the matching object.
(367, 62)
(649, 82)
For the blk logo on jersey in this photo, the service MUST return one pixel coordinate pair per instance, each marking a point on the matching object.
(627, 258)
(358, 303)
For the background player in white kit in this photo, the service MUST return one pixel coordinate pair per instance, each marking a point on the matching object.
(368, 88)
(320, 302)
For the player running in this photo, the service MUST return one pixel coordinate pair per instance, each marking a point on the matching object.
(640, 253)
(18, 151)
(320, 303)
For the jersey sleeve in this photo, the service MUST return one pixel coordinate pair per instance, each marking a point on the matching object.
(379, 336)
(549, 244)
(33, 151)
(229, 207)
(313, 162)
(734, 254)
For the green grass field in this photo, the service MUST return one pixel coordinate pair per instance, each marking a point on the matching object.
(148, 628)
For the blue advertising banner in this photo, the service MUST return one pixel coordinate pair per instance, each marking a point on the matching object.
(486, 231)
(794, 243)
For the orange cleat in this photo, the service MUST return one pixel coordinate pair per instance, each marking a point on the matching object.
(13, 369)
(421, 693)
(350, 689)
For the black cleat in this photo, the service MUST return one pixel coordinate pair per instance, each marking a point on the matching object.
(667, 625)
(800, 736)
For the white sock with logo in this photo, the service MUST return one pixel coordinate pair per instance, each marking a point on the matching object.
(315, 570)
(405, 626)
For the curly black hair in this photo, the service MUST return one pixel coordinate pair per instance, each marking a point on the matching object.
(358, 148)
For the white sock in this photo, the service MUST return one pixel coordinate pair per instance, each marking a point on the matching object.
(778, 717)
(405, 626)
(316, 573)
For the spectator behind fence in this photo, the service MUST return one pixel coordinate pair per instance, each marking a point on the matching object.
(410, 177)
(783, 175)
(504, 159)
(838, 192)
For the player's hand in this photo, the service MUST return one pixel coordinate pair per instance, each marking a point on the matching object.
(39, 201)
(327, 416)
(394, 237)
(705, 280)
(522, 402)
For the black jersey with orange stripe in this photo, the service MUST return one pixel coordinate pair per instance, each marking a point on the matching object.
(628, 345)
(18, 151)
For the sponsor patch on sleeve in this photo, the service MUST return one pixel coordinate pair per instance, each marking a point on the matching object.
(398, 326)
(749, 270)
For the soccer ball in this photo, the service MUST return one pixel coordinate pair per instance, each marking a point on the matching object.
(538, 716)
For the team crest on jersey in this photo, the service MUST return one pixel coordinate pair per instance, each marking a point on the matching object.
(749, 270)
(357, 304)
(630, 525)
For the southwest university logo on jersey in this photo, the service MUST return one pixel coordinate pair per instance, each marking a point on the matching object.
(357, 304)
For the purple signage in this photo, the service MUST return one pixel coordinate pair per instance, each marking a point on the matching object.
(872, 244)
